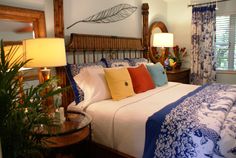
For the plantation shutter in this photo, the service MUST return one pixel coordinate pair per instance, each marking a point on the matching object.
(226, 42)
(233, 17)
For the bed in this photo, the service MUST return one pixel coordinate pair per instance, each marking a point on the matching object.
(117, 130)
(152, 123)
(123, 125)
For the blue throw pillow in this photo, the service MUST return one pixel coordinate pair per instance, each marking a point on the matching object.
(158, 74)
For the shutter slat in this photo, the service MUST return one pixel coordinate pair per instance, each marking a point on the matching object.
(226, 42)
(222, 41)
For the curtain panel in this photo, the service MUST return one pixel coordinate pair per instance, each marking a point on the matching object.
(203, 64)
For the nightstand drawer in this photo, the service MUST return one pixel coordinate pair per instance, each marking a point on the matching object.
(181, 75)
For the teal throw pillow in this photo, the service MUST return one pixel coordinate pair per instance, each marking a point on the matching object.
(158, 74)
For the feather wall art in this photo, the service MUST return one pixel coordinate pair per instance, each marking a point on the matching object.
(114, 14)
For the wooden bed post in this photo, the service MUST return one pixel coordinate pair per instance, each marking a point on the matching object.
(145, 13)
(59, 32)
(58, 18)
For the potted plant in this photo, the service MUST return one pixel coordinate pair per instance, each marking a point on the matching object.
(20, 115)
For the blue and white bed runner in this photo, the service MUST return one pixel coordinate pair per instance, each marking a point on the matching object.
(200, 124)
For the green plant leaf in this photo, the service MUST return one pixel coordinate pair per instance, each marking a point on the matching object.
(17, 125)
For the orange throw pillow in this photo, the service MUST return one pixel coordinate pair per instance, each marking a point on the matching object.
(141, 79)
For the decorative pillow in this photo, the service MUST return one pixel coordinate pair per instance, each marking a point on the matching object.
(158, 74)
(137, 61)
(93, 83)
(119, 83)
(74, 69)
(141, 79)
(117, 63)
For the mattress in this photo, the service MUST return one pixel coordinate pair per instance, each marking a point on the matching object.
(121, 124)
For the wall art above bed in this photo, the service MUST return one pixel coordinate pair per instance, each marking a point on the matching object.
(114, 14)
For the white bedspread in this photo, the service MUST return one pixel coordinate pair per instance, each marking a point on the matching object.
(121, 124)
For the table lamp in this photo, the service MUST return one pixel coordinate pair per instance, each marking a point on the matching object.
(163, 40)
(44, 52)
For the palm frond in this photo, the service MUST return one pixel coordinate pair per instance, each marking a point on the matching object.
(17, 125)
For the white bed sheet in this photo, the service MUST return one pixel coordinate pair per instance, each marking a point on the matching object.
(121, 124)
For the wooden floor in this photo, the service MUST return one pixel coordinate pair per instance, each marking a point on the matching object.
(99, 151)
(85, 149)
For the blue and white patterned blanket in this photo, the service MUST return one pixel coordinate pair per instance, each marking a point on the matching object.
(200, 124)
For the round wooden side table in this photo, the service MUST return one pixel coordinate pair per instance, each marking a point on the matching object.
(62, 139)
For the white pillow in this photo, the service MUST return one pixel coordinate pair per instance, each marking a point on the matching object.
(93, 83)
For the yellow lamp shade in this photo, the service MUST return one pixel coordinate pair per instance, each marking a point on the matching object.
(16, 53)
(44, 52)
(163, 40)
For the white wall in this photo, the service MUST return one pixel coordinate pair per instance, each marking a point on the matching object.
(49, 17)
(226, 77)
(227, 7)
(157, 10)
(179, 23)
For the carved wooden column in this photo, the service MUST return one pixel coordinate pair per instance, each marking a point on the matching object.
(145, 13)
(58, 18)
(59, 32)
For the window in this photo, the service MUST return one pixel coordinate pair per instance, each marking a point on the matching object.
(226, 42)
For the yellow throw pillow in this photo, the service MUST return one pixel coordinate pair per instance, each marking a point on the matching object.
(119, 83)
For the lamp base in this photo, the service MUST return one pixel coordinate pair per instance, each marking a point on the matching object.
(164, 55)
(45, 72)
(44, 75)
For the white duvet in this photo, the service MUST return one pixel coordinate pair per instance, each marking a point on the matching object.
(121, 124)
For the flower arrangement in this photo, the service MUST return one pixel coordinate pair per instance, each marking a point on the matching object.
(176, 60)
(179, 53)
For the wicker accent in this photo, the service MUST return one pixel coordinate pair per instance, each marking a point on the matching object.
(81, 42)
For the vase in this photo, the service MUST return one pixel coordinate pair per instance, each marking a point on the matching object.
(178, 65)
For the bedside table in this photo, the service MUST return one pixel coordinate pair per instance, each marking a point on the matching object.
(181, 75)
(65, 139)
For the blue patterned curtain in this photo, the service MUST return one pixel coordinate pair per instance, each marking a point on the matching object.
(203, 65)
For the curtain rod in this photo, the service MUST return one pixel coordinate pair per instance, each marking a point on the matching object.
(192, 5)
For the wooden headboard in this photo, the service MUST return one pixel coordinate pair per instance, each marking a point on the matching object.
(82, 44)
